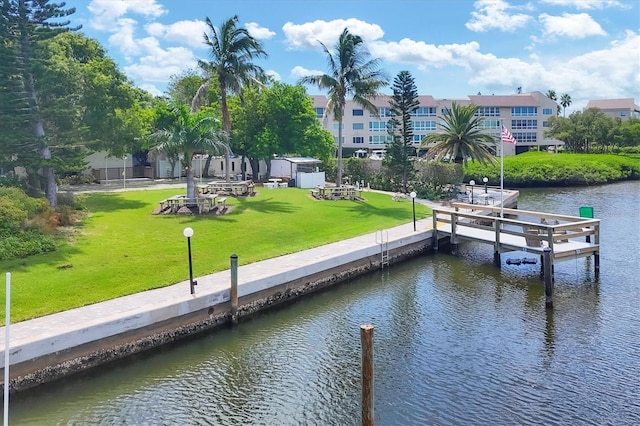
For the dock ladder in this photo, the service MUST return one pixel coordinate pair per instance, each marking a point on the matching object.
(382, 238)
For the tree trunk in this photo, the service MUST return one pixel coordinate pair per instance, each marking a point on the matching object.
(207, 164)
(226, 124)
(268, 161)
(255, 168)
(191, 187)
(339, 171)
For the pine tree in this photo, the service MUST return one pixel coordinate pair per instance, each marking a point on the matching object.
(398, 157)
(23, 25)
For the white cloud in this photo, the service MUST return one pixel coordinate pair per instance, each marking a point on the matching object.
(160, 64)
(107, 12)
(299, 72)
(274, 75)
(419, 53)
(307, 35)
(491, 14)
(151, 89)
(570, 25)
(585, 4)
(258, 32)
(183, 32)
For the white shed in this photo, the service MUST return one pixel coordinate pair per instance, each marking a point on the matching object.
(303, 169)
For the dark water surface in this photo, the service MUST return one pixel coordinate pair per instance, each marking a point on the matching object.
(457, 342)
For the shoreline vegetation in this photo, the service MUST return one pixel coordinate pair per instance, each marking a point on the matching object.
(547, 169)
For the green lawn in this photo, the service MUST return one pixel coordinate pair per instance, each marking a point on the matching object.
(121, 248)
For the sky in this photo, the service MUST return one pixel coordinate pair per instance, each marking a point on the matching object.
(589, 49)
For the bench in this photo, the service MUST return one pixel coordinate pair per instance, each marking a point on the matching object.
(315, 193)
(222, 202)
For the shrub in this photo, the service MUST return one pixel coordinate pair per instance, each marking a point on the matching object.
(25, 244)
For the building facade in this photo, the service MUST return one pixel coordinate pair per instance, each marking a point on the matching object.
(617, 108)
(526, 115)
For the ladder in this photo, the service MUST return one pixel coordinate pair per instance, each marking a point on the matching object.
(382, 238)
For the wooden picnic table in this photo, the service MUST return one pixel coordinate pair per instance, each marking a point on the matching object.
(234, 188)
(204, 203)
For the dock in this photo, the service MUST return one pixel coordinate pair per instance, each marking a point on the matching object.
(553, 237)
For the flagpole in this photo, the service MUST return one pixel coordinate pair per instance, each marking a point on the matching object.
(501, 171)
(7, 316)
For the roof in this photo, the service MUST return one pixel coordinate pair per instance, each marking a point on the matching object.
(624, 103)
(524, 99)
(301, 160)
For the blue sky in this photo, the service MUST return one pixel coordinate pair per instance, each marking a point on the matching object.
(589, 49)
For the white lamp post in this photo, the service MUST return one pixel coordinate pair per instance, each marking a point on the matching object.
(485, 180)
(413, 204)
(188, 232)
(472, 183)
(124, 172)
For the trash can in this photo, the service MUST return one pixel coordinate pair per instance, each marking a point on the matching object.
(291, 183)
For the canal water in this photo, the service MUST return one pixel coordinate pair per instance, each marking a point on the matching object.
(457, 342)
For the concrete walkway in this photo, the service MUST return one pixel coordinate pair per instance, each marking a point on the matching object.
(69, 329)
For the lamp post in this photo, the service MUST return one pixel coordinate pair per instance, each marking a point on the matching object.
(472, 183)
(124, 172)
(485, 180)
(188, 232)
(413, 204)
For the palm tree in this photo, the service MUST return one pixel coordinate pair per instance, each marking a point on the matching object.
(232, 51)
(565, 101)
(350, 73)
(461, 138)
(190, 134)
(551, 94)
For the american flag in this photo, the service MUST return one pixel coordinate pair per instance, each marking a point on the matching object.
(506, 136)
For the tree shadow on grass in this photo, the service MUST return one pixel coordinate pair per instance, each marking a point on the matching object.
(364, 209)
(264, 205)
(110, 202)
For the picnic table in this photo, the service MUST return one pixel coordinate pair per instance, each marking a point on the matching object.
(204, 203)
(233, 188)
(346, 192)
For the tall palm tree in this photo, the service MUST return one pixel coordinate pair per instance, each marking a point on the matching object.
(190, 134)
(351, 73)
(551, 94)
(461, 138)
(565, 101)
(232, 51)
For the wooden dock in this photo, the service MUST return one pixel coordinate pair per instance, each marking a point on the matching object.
(560, 237)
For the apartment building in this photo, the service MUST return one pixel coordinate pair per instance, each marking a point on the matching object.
(526, 115)
(617, 108)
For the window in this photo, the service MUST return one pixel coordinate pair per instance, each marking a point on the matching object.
(417, 139)
(358, 126)
(358, 112)
(445, 111)
(488, 112)
(335, 126)
(547, 111)
(424, 112)
(358, 139)
(623, 114)
(524, 124)
(524, 111)
(335, 139)
(545, 124)
(319, 112)
(489, 124)
(384, 112)
(380, 140)
(525, 136)
(421, 126)
(377, 126)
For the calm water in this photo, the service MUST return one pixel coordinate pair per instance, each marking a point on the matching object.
(457, 342)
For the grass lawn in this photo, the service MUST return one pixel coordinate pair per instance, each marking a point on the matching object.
(121, 248)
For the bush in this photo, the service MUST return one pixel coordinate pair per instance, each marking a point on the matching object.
(25, 244)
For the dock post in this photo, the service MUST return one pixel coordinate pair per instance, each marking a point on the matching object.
(435, 230)
(366, 340)
(548, 278)
(596, 255)
(496, 248)
(454, 239)
(234, 288)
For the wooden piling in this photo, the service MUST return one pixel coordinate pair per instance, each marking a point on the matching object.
(366, 340)
(496, 248)
(548, 278)
(454, 239)
(234, 287)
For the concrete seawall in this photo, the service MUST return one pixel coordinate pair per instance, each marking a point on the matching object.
(51, 347)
